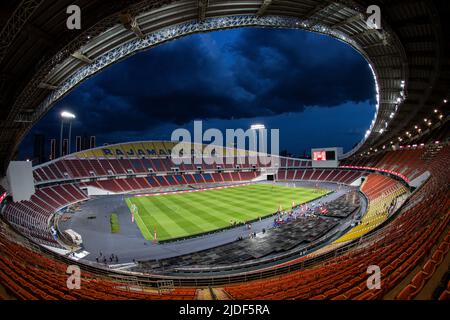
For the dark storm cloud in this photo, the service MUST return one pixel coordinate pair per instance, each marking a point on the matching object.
(264, 72)
(293, 70)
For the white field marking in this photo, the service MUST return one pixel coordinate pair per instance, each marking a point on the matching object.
(186, 191)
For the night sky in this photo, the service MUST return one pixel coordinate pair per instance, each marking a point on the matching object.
(318, 91)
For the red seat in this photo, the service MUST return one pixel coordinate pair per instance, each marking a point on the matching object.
(437, 256)
(429, 268)
(407, 293)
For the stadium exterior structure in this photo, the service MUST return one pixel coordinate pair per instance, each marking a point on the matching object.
(410, 69)
(409, 58)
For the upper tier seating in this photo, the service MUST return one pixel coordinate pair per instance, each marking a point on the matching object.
(75, 168)
(410, 162)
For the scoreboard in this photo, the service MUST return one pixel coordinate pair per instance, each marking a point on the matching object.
(325, 157)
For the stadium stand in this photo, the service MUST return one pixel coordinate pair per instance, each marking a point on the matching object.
(394, 249)
(30, 274)
(396, 242)
(342, 176)
(32, 217)
(381, 192)
(404, 230)
(418, 282)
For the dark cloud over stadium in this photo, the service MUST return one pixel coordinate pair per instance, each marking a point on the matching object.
(227, 75)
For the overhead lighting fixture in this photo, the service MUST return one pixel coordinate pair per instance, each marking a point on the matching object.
(67, 115)
(257, 127)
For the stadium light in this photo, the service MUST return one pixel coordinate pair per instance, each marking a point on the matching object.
(257, 127)
(67, 115)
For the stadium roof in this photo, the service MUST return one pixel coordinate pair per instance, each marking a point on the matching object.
(41, 60)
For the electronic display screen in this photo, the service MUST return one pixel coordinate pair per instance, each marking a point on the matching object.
(324, 155)
(319, 156)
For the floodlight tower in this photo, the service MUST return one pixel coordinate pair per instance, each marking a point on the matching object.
(65, 117)
(257, 128)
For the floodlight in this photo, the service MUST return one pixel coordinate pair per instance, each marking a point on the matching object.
(257, 127)
(67, 115)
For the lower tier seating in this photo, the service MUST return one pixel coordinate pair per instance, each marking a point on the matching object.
(396, 249)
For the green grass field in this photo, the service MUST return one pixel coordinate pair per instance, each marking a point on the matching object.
(186, 214)
(114, 221)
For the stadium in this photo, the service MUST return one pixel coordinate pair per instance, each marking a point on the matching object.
(139, 224)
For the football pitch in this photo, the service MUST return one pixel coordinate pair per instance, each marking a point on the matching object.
(191, 213)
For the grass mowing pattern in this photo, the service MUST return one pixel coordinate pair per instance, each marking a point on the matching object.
(186, 214)
(114, 220)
